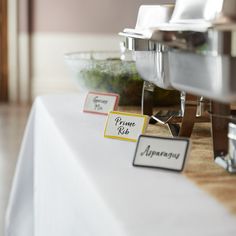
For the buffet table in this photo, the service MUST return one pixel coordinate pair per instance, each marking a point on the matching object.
(70, 180)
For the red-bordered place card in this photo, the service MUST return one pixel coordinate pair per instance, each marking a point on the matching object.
(101, 103)
(162, 153)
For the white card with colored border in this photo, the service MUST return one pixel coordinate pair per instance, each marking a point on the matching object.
(160, 152)
(125, 126)
(101, 103)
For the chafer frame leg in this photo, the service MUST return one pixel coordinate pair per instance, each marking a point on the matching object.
(191, 111)
(147, 98)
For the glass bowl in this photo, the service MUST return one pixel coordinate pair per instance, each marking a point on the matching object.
(115, 73)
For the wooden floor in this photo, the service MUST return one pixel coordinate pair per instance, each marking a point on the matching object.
(12, 122)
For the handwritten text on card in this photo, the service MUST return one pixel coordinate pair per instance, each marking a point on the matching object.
(125, 126)
(160, 152)
(100, 103)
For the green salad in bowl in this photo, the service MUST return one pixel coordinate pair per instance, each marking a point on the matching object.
(107, 72)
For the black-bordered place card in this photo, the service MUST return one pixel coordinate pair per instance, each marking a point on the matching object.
(101, 103)
(160, 152)
(125, 126)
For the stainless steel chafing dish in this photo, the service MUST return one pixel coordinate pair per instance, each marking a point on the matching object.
(191, 47)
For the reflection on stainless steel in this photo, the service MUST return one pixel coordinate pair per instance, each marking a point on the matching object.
(152, 66)
(193, 50)
(212, 77)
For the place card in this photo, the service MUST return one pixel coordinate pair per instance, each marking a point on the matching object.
(160, 152)
(101, 103)
(125, 126)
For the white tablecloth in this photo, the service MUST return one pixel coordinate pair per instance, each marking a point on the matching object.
(70, 180)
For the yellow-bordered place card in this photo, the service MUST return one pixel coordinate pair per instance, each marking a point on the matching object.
(125, 126)
(101, 103)
(161, 152)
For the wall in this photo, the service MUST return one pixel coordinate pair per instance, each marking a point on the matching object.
(90, 16)
(61, 26)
